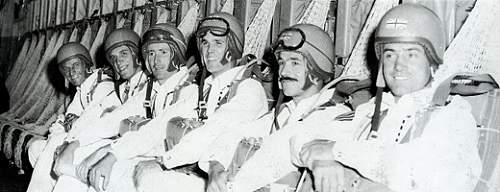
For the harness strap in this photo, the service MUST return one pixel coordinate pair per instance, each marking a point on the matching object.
(202, 104)
(147, 101)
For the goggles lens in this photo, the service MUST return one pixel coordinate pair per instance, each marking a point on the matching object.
(289, 40)
(216, 26)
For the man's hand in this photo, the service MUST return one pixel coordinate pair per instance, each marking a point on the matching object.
(84, 167)
(63, 159)
(316, 150)
(328, 176)
(100, 174)
(217, 177)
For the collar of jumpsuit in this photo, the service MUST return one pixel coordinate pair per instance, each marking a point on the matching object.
(397, 113)
(134, 84)
(219, 86)
(162, 91)
(87, 86)
(292, 112)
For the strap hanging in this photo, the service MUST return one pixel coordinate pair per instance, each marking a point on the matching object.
(147, 101)
(202, 105)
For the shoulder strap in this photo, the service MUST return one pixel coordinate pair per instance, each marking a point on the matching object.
(193, 70)
(117, 90)
(91, 92)
(465, 84)
(251, 71)
(147, 101)
(202, 105)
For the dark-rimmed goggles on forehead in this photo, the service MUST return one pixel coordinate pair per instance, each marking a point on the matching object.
(290, 39)
(216, 26)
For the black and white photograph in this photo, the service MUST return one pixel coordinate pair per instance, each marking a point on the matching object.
(249, 96)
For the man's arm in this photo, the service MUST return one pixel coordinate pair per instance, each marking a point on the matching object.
(443, 158)
(153, 133)
(273, 161)
(108, 125)
(224, 147)
(248, 103)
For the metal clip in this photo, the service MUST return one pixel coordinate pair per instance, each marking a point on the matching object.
(147, 104)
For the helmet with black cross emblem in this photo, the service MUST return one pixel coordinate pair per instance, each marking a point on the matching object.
(412, 23)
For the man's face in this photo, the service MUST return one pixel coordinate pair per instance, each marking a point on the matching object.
(406, 67)
(74, 70)
(159, 58)
(213, 50)
(122, 60)
(292, 72)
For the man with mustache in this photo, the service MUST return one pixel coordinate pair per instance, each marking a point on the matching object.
(403, 141)
(92, 86)
(305, 55)
(164, 48)
(122, 51)
(223, 100)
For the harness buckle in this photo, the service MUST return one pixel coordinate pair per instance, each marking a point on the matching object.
(147, 104)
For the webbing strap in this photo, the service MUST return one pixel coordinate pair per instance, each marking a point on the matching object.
(465, 84)
(202, 107)
(147, 101)
(376, 118)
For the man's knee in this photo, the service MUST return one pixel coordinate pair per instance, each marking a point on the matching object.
(145, 176)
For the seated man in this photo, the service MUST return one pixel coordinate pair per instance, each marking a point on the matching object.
(408, 144)
(121, 47)
(92, 86)
(226, 100)
(305, 56)
(164, 50)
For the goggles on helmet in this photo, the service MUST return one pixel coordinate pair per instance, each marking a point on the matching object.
(292, 39)
(216, 26)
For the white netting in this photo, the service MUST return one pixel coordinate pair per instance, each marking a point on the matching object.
(163, 15)
(189, 22)
(139, 20)
(357, 65)
(258, 31)
(74, 35)
(121, 21)
(228, 7)
(98, 41)
(475, 47)
(316, 13)
(86, 38)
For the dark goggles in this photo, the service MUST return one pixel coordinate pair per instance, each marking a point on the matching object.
(216, 26)
(290, 39)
